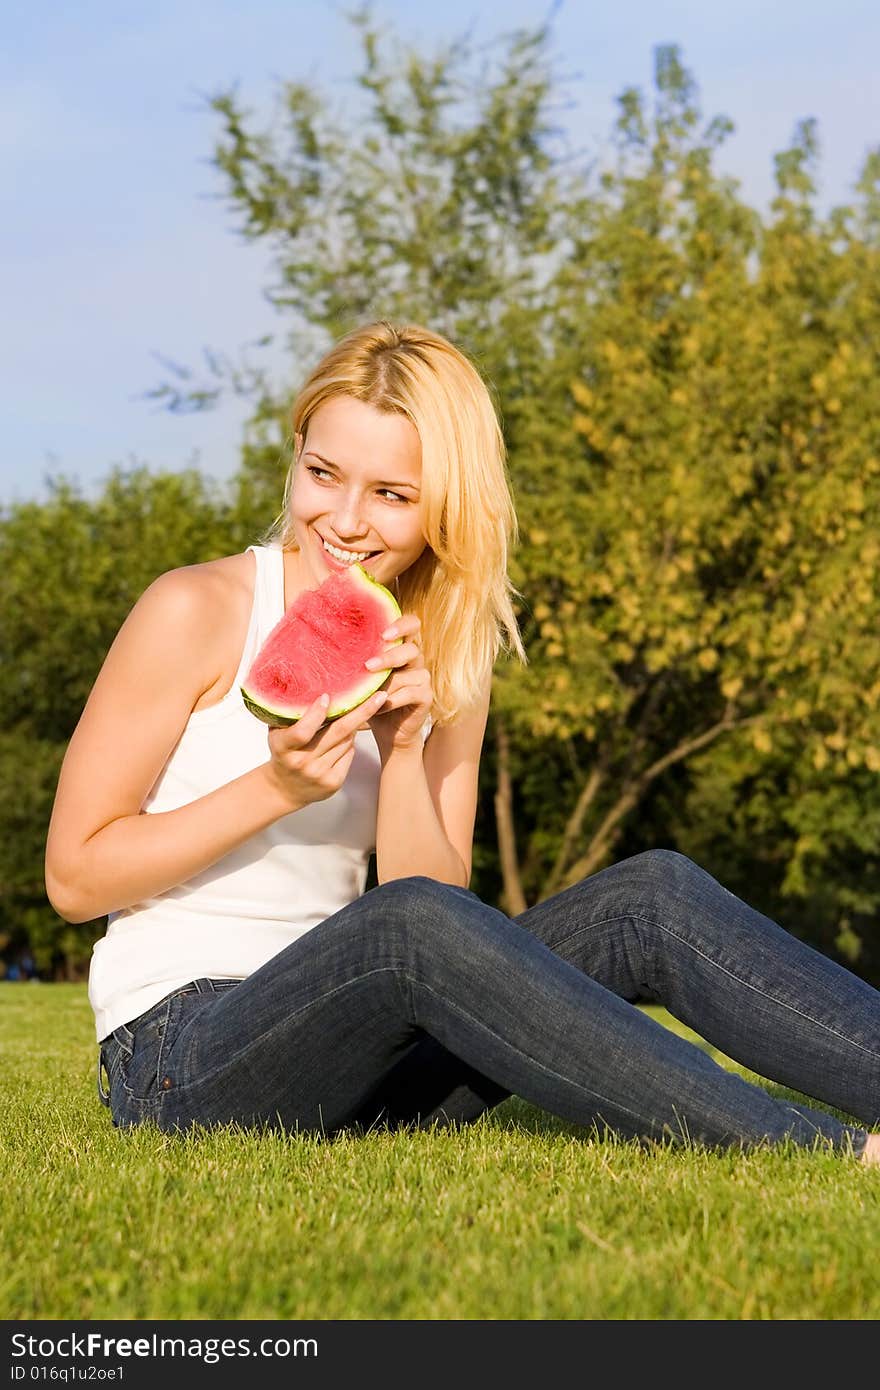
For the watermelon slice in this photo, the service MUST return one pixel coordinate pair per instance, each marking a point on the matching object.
(320, 645)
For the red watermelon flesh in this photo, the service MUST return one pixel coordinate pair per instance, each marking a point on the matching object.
(320, 645)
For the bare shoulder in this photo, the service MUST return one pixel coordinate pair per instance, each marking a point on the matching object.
(166, 657)
(212, 584)
(208, 605)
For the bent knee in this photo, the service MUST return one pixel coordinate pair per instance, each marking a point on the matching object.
(674, 878)
(419, 886)
(412, 909)
(655, 871)
(667, 861)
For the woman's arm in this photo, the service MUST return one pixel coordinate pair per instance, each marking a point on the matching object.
(428, 803)
(102, 854)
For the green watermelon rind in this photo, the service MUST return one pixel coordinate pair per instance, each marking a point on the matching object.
(287, 716)
(356, 695)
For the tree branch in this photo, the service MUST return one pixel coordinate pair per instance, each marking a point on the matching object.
(594, 782)
(630, 796)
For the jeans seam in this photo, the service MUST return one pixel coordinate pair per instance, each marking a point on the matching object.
(259, 1041)
(541, 1066)
(615, 1105)
(599, 922)
(782, 1003)
(636, 916)
(126, 1041)
(162, 1022)
(396, 968)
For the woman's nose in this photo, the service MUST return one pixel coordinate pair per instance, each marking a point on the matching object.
(347, 519)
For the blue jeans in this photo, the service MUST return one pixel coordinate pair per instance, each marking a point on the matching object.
(419, 1003)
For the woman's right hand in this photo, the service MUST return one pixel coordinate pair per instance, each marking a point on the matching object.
(310, 762)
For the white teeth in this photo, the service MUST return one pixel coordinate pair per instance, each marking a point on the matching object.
(346, 556)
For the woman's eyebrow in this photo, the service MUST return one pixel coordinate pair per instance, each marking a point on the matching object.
(314, 454)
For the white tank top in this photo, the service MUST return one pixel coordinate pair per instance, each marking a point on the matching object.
(236, 915)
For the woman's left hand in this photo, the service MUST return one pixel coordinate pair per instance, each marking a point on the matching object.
(410, 695)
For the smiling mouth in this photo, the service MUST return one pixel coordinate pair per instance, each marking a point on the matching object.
(365, 555)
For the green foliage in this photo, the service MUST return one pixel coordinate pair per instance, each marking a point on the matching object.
(799, 844)
(70, 570)
(441, 203)
(686, 394)
(29, 770)
(701, 569)
(408, 213)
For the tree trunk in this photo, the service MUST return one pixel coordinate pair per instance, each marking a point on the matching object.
(572, 831)
(514, 898)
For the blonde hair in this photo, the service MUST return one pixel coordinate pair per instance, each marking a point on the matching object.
(458, 587)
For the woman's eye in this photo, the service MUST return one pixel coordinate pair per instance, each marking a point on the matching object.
(313, 468)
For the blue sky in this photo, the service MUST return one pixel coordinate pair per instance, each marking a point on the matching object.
(117, 244)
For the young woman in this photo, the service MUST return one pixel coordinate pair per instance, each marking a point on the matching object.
(245, 974)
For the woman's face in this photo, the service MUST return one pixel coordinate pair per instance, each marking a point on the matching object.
(357, 486)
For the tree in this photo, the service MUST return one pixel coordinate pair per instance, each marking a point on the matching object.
(682, 390)
(702, 576)
(685, 394)
(70, 571)
(810, 807)
(440, 202)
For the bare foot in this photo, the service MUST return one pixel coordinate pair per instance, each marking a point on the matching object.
(871, 1152)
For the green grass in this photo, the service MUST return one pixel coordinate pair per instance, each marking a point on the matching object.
(520, 1216)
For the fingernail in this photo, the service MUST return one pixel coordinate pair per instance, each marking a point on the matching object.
(325, 700)
(374, 663)
(390, 632)
(381, 697)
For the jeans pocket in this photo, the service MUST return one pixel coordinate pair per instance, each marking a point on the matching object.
(141, 1070)
(112, 1054)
